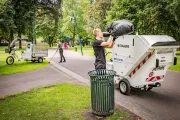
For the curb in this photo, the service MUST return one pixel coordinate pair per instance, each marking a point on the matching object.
(72, 74)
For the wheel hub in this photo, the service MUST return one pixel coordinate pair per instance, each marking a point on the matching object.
(123, 87)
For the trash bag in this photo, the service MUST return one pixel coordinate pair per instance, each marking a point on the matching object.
(120, 27)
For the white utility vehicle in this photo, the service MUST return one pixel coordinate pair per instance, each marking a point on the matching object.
(141, 61)
(33, 53)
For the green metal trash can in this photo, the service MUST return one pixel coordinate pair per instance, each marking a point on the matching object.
(102, 92)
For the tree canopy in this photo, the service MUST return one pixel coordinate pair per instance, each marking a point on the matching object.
(65, 19)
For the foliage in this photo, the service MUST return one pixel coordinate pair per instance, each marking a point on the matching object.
(45, 29)
(18, 17)
(52, 19)
(95, 14)
(148, 16)
(49, 12)
(74, 22)
(6, 20)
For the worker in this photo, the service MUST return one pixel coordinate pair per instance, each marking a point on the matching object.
(60, 45)
(99, 50)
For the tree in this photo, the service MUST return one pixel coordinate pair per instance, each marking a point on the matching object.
(17, 15)
(148, 16)
(6, 19)
(73, 20)
(45, 28)
(96, 14)
(53, 9)
(24, 12)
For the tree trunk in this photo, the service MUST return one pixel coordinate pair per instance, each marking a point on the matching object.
(56, 21)
(74, 34)
(35, 41)
(73, 39)
(11, 36)
(19, 36)
(52, 44)
(49, 43)
(30, 37)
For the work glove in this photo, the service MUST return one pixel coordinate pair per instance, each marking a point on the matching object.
(114, 38)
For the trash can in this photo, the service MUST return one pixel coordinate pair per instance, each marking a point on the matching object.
(102, 92)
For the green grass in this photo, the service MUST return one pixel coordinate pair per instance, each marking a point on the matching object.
(60, 102)
(176, 67)
(88, 50)
(118, 115)
(18, 66)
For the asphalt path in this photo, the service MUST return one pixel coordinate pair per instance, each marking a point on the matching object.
(21, 82)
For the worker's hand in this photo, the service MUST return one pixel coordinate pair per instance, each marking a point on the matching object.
(114, 38)
(111, 37)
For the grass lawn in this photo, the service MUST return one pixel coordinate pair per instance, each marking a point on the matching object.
(60, 102)
(88, 50)
(176, 67)
(18, 66)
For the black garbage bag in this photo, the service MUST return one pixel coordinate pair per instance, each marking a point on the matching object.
(120, 27)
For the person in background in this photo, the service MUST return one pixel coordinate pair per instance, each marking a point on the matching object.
(64, 44)
(99, 51)
(60, 45)
(67, 45)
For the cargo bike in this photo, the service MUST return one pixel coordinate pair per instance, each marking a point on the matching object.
(32, 53)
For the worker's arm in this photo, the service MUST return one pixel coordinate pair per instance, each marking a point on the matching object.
(108, 43)
(111, 44)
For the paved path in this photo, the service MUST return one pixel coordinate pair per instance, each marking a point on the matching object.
(160, 104)
(11, 84)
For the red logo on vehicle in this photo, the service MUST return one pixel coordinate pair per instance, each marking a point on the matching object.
(151, 74)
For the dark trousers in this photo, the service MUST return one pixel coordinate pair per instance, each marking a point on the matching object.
(61, 55)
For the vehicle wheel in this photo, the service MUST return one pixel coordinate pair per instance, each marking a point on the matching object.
(40, 59)
(124, 87)
(149, 88)
(10, 60)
